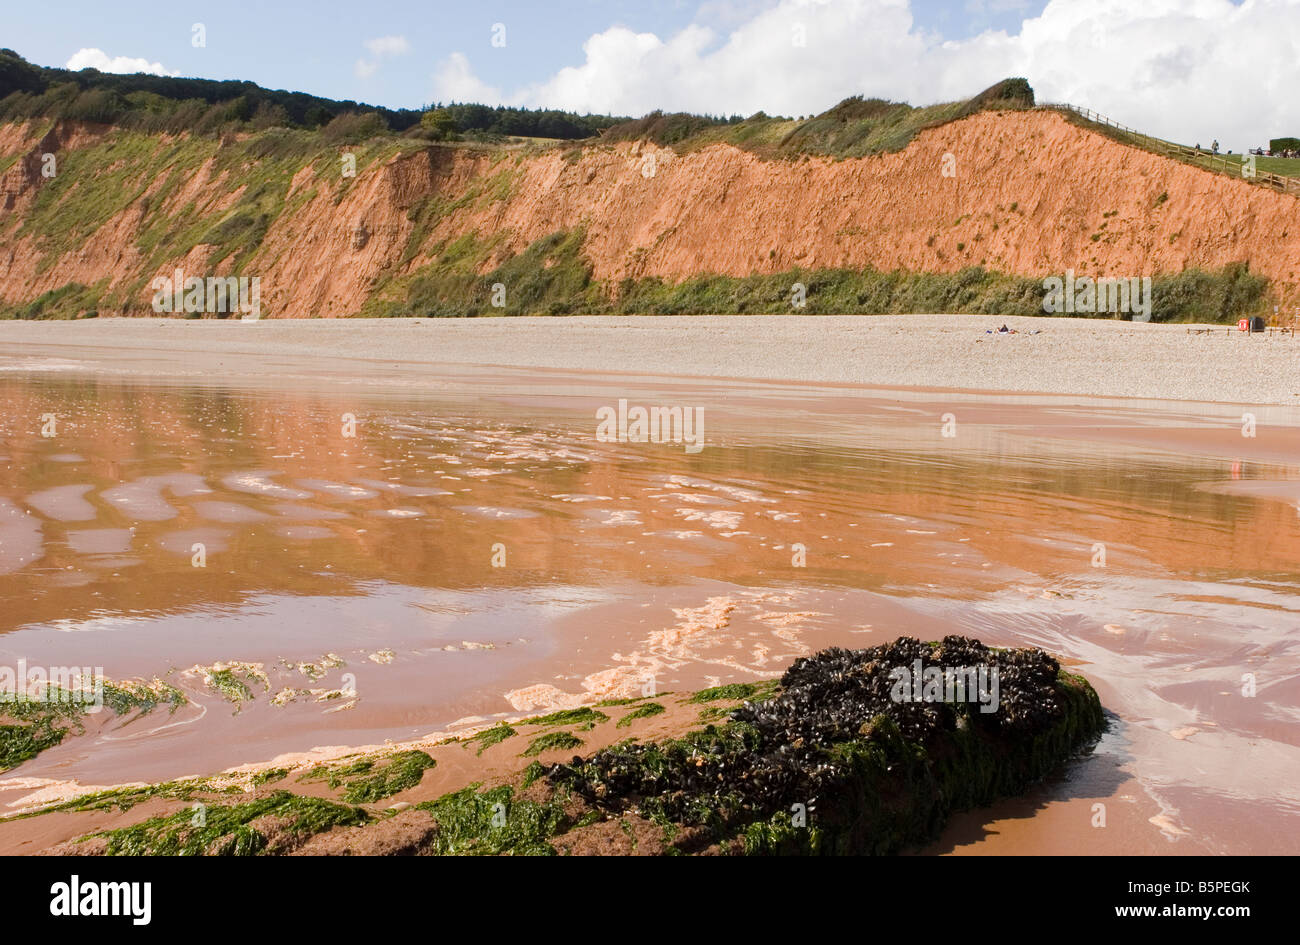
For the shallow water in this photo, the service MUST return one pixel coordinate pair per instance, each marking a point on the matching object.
(473, 551)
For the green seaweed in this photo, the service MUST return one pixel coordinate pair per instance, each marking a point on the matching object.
(489, 737)
(733, 691)
(128, 697)
(493, 822)
(41, 723)
(551, 741)
(229, 686)
(534, 771)
(714, 713)
(641, 712)
(567, 717)
(878, 792)
(19, 743)
(614, 703)
(372, 779)
(220, 830)
(270, 776)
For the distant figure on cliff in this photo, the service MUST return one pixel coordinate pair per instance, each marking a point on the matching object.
(1214, 148)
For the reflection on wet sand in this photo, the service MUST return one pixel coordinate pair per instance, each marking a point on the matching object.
(479, 554)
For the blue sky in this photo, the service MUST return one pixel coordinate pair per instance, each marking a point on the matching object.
(1189, 70)
(313, 47)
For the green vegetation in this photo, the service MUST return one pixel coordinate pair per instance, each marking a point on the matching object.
(880, 787)
(38, 728)
(856, 127)
(553, 277)
(1285, 167)
(534, 771)
(735, 692)
(613, 703)
(567, 717)
(229, 686)
(270, 776)
(33, 725)
(68, 301)
(1197, 296)
(439, 125)
(233, 830)
(161, 103)
(493, 822)
(551, 741)
(641, 712)
(129, 697)
(124, 798)
(133, 168)
(372, 779)
(888, 791)
(489, 737)
(714, 714)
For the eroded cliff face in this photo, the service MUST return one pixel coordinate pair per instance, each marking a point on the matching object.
(1032, 195)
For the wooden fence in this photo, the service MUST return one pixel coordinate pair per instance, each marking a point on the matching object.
(1216, 163)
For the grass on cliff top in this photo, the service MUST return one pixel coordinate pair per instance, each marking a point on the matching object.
(1284, 167)
(854, 128)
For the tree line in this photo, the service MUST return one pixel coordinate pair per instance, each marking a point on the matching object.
(174, 104)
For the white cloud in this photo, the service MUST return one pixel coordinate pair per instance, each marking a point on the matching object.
(98, 59)
(1190, 70)
(388, 46)
(384, 47)
(455, 82)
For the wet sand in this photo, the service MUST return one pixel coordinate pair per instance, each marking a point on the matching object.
(375, 556)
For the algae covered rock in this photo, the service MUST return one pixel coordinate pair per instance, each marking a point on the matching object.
(859, 751)
(853, 751)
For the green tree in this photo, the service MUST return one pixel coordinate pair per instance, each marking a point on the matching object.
(439, 125)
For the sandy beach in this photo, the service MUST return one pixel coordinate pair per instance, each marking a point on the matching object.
(1092, 357)
(351, 594)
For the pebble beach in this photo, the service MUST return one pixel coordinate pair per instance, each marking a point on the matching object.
(1093, 357)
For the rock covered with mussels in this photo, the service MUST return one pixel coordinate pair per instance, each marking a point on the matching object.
(876, 746)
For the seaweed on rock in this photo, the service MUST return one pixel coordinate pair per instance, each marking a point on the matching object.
(862, 767)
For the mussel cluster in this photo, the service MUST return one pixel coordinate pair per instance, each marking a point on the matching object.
(829, 697)
(783, 750)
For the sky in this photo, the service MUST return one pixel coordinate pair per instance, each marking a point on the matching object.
(1189, 70)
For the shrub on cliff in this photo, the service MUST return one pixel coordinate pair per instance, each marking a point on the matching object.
(354, 127)
(1200, 296)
